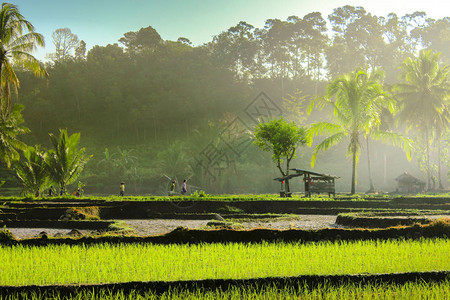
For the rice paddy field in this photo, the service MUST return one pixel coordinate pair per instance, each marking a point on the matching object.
(410, 290)
(120, 269)
(108, 263)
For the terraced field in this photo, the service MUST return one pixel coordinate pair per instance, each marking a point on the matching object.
(308, 256)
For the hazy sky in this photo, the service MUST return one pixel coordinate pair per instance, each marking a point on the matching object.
(102, 22)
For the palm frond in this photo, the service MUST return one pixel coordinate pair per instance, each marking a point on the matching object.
(317, 129)
(394, 139)
(326, 144)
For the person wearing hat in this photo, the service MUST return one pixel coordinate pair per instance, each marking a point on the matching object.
(122, 188)
(172, 188)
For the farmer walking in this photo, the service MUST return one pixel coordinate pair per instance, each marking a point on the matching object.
(122, 188)
(184, 187)
(172, 188)
(51, 191)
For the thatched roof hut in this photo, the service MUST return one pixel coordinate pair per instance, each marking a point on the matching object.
(409, 184)
(314, 182)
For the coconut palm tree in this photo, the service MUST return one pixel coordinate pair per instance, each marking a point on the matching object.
(174, 161)
(356, 99)
(441, 127)
(65, 162)
(17, 40)
(423, 98)
(33, 171)
(381, 108)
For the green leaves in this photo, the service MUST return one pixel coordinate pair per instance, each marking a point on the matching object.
(357, 100)
(423, 93)
(395, 139)
(14, 51)
(15, 46)
(423, 98)
(61, 165)
(326, 144)
(33, 171)
(65, 161)
(11, 127)
(280, 137)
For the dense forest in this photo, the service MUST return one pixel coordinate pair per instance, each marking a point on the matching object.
(150, 109)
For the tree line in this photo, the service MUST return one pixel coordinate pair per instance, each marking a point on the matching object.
(164, 100)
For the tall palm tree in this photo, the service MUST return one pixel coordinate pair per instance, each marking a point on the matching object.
(356, 99)
(33, 171)
(423, 98)
(382, 108)
(65, 162)
(441, 127)
(15, 47)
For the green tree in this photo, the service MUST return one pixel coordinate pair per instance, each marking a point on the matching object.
(15, 48)
(80, 51)
(108, 163)
(125, 163)
(395, 48)
(355, 100)
(275, 39)
(145, 39)
(10, 128)
(282, 139)
(437, 36)
(423, 99)
(441, 127)
(65, 162)
(341, 55)
(174, 161)
(315, 43)
(33, 170)
(237, 48)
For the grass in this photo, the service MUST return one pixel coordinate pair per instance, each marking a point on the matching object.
(373, 212)
(231, 198)
(225, 197)
(411, 290)
(105, 263)
(120, 226)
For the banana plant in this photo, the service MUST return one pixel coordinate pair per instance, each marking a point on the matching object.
(32, 170)
(65, 161)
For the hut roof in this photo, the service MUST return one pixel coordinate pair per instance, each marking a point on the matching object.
(301, 172)
(405, 177)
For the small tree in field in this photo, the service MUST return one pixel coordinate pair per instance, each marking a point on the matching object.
(32, 171)
(281, 138)
(65, 162)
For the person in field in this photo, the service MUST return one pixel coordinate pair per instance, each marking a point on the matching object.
(122, 188)
(172, 188)
(184, 187)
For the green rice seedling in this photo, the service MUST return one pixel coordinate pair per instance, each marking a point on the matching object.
(106, 263)
(412, 290)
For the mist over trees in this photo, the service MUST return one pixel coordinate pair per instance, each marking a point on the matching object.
(182, 109)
